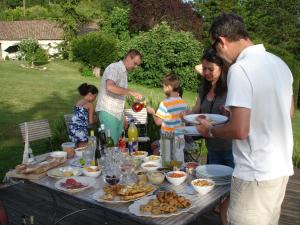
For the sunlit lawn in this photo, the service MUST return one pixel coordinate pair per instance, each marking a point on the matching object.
(28, 94)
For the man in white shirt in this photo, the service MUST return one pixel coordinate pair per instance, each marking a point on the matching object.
(260, 99)
(113, 92)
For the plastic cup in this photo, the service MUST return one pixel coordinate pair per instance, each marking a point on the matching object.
(69, 148)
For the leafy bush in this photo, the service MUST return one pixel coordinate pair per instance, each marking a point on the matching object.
(59, 132)
(94, 49)
(40, 57)
(86, 71)
(32, 52)
(165, 51)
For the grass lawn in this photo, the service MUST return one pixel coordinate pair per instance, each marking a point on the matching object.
(28, 94)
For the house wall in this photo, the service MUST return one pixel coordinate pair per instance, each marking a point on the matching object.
(48, 45)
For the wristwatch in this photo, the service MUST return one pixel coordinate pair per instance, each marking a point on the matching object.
(210, 134)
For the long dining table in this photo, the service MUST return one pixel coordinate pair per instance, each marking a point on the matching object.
(108, 213)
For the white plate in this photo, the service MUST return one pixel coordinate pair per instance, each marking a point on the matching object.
(98, 194)
(87, 181)
(214, 170)
(215, 118)
(58, 172)
(135, 207)
(188, 130)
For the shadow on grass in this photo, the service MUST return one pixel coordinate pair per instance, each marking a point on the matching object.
(52, 108)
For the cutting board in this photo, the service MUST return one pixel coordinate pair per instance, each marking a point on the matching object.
(13, 174)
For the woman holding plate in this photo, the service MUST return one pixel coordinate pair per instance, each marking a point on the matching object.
(211, 100)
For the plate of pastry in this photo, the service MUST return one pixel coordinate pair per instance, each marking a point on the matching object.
(120, 193)
(163, 204)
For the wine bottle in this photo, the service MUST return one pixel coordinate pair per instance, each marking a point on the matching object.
(102, 139)
(109, 140)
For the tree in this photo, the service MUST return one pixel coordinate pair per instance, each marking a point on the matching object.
(70, 20)
(94, 49)
(165, 51)
(116, 24)
(144, 14)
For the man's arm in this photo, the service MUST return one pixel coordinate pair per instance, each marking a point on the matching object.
(236, 128)
(113, 88)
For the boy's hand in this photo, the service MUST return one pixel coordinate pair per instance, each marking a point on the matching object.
(150, 110)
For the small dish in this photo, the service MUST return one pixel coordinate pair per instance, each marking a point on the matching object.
(92, 171)
(139, 154)
(150, 166)
(156, 177)
(142, 175)
(176, 177)
(59, 154)
(152, 158)
(203, 186)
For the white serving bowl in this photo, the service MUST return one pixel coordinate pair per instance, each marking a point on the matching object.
(139, 154)
(150, 166)
(203, 189)
(176, 180)
(152, 158)
(95, 173)
(59, 154)
(78, 151)
(156, 177)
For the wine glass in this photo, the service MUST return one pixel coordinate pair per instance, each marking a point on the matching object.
(111, 174)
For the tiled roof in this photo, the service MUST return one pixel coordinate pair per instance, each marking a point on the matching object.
(36, 29)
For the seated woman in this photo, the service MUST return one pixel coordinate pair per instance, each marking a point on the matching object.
(83, 114)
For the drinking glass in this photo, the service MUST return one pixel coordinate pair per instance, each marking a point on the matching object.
(127, 168)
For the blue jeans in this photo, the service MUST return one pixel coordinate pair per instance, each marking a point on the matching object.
(220, 157)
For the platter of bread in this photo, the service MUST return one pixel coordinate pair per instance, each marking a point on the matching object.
(163, 204)
(123, 193)
(36, 170)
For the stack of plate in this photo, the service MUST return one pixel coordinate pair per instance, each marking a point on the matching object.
(220, 174)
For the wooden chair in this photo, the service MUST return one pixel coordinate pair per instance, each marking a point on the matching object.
(141, 121)
(37, 130)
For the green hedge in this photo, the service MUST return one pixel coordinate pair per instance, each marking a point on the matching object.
(94, 49)
(165, 51)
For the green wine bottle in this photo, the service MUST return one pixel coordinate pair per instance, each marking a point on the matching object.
(109, 140)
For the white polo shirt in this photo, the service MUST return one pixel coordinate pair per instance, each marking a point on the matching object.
(262, 82)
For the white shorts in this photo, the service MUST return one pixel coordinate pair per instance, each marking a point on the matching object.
(256, 202)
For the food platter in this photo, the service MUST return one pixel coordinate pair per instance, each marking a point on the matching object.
(135, 208)
(215, 119)
(64, 172)
(66, 184)
(142, 191)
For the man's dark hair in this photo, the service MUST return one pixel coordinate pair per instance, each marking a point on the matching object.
(173, 81)
(228, 25)
(132, 53)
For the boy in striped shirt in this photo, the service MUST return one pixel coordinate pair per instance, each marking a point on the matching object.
(168, 114)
